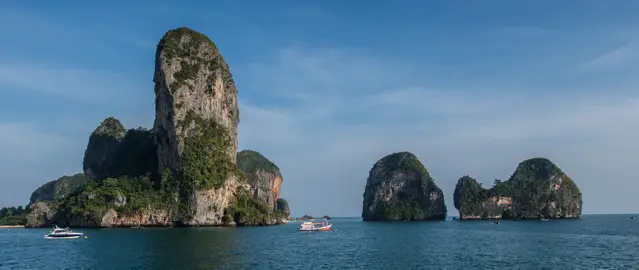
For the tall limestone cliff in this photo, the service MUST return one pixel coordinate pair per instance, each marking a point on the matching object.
(183, 172)
(537, 189)
(196, 126)
(400, 188)
(263, 176)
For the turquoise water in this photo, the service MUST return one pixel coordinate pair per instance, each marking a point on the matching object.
(593, 242)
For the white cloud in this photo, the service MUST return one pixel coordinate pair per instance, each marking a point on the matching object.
(69, 83)
(453, 131)
(622, 56)
(25, 141)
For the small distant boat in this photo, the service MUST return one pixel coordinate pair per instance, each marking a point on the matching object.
(496, 222)
(544, 219)
(62, 233)
(310, 226)
(632, 217)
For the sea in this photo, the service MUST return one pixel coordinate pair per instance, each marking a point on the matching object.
(592, 242)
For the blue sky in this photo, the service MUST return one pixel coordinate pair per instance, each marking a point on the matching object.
(329, 87)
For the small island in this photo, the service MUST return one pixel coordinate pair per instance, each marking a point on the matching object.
(399, 188)
(306, 217)
(184, 171)
(537, 189)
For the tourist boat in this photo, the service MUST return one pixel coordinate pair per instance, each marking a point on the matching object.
(310, 226)
(62, 233)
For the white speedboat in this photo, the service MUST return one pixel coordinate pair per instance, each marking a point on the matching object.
(62, 233)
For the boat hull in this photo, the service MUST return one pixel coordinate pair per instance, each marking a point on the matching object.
(61, 237)
(322, 229)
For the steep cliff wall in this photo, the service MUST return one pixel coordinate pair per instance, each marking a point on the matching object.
(196, 125)
(262, 175)
(537, 189)
(400, 188)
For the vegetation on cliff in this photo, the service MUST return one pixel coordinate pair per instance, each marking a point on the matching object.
(537, 189)
(247, 210)
(13, 215)
(121, 165)
(126, 196)
(250, 161)
(400, 188)
(59, 188)
(205, 159)
(281, 205)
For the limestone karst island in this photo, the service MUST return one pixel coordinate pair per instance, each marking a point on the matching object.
(399, 188)
(537, 189)
(185, 171)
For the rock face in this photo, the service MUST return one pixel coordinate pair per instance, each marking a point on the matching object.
(103, 142)
(400, 188)
(281, 206)
(262, 175)
(196, 123)
(59, 188)
(41, 214)
(537, 189)
(136, 155)
(113, 151)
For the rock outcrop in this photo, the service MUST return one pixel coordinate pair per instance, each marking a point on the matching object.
(59, 188)
(537, 189)
(281, 206)
(135, 156)
(400, 188)
(41, 214)
(103, 142)
(196, 124)
(262, 175)
(183, 172)
(113, 151)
